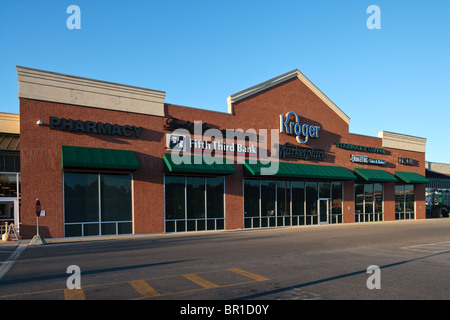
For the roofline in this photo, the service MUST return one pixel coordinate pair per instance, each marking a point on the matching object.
(280, 79)
(62, 88)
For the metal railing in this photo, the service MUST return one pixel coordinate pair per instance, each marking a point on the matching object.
(95, 228)
(202, 224)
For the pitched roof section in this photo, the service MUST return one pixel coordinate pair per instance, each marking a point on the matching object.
(278, 80)
(9, 142)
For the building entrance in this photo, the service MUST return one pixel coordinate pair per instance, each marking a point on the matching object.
(9, 212)
(324, 210)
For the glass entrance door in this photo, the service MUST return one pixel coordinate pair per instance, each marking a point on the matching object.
(324, 209)
(9, 212)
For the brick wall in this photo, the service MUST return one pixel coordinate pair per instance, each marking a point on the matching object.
(41, 168)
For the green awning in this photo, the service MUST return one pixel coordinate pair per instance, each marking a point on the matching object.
(372, 175)
(81, 157)
(411, 177)
(297, 170)
(194, 164)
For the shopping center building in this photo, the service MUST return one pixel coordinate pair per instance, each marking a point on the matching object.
(437, 192)
(106, 159)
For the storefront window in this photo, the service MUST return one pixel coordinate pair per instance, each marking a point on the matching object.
(409, 199)
(215, 203)
(368, 202)
(10, 198)
(283, 198)
(251, 199)
(336, 202)
(292, 197)
(311, 203)
(97, 204)
(267, 198)
(116, 203)
(214, 192)
(368, 198)
(80, 198)
(324, 190)
(404, 202)
(378, 195)
(359, 201)
(195, 196)
(8, 185)
(9, 162)
(298, 203)
(175, 197)
(438, 199)
(194, 203)
(283, 203)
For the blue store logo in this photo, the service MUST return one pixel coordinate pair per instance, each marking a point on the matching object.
(296, 128)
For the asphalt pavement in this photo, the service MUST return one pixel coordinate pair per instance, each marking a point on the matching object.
(368, 261)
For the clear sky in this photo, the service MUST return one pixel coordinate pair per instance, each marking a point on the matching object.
(199, 52)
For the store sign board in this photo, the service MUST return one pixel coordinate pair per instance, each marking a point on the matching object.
(292, 151)
(93, 127)
(407, 161)
(182, 143)
(365, 159)
(173, 124)
(302, 132)
(356, 147)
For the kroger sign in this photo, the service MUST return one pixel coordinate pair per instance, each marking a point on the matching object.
(302, 131)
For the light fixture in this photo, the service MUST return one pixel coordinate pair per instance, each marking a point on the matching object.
(39, 123)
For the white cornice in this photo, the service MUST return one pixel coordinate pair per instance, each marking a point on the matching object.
(438, 167)
(402, 141)
(9, 123)
(280, 79)
(55, 87)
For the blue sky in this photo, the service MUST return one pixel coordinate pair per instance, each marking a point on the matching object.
(199, 52)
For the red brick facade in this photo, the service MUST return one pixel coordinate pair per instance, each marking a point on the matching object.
(42, 172)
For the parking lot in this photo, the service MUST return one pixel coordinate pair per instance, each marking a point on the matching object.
(297, 263)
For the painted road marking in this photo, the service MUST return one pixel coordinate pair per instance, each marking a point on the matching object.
(249, 274)
(74, 294)
(200, 281)
(145, 289)
(7, 265)
(435, 247)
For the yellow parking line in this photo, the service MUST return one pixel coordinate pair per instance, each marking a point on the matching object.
(249, 274)
(147, 291)
(144, 289)
(74, 294)
(200, 281)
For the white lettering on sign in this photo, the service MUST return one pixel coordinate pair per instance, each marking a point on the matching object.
(213, 150)
(179, 143)
(365, 159)
(296, 128)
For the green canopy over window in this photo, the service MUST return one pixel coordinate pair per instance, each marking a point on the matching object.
(373, 175)
(194, 164)
(411, 177)
(81, 157)
(297, 170)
